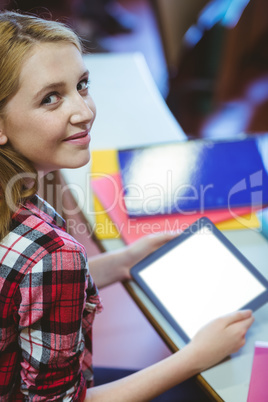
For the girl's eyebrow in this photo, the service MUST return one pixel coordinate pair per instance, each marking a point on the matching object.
(57, 85)
(49, 87)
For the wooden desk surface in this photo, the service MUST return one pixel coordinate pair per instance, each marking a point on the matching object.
(131, 112)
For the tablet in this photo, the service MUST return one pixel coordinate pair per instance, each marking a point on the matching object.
(198, 276)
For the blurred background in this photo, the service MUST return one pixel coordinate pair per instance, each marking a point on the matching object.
(209, 59)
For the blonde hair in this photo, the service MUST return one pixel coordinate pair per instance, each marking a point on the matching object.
(18, 35)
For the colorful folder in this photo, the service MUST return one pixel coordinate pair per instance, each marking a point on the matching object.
(109, 191)
(103, 167)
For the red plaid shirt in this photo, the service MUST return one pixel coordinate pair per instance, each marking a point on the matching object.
(47, 305)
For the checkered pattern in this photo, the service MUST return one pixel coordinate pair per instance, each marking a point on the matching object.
(47, 306)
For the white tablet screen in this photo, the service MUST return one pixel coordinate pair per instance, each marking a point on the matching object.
(200, 280)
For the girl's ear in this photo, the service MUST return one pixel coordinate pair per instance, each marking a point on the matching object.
(3, 137)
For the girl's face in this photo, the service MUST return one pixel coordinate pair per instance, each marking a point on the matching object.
(49, 118)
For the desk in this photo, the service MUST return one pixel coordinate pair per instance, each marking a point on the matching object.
(132, 112)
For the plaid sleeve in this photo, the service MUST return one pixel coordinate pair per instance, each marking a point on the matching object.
(93, 305)
(53, 296)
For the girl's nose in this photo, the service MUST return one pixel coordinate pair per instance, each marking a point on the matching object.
(84, 110)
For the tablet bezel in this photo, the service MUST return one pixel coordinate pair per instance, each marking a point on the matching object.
(198, 225)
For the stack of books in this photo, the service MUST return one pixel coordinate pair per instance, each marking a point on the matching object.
(169, 186)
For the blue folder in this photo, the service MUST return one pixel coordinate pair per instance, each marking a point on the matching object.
(194, 176)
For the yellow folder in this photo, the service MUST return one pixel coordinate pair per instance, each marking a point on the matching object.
(104, 162)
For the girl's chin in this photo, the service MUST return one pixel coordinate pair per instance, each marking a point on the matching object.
(80, 163)
(77, 162)
(70, 164)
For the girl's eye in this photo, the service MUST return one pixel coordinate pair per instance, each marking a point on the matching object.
(50, 99)
(83, 85)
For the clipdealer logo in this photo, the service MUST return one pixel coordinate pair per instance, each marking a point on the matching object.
(255, 184)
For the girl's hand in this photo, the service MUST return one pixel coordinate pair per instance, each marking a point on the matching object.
(211, 344)
(108, 268)
(143, 247)
(220, 338)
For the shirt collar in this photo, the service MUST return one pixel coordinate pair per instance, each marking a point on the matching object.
(45, 211)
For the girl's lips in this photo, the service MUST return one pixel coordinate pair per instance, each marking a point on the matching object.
(79, 138)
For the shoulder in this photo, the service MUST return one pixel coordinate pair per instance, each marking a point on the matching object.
(35, 237)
